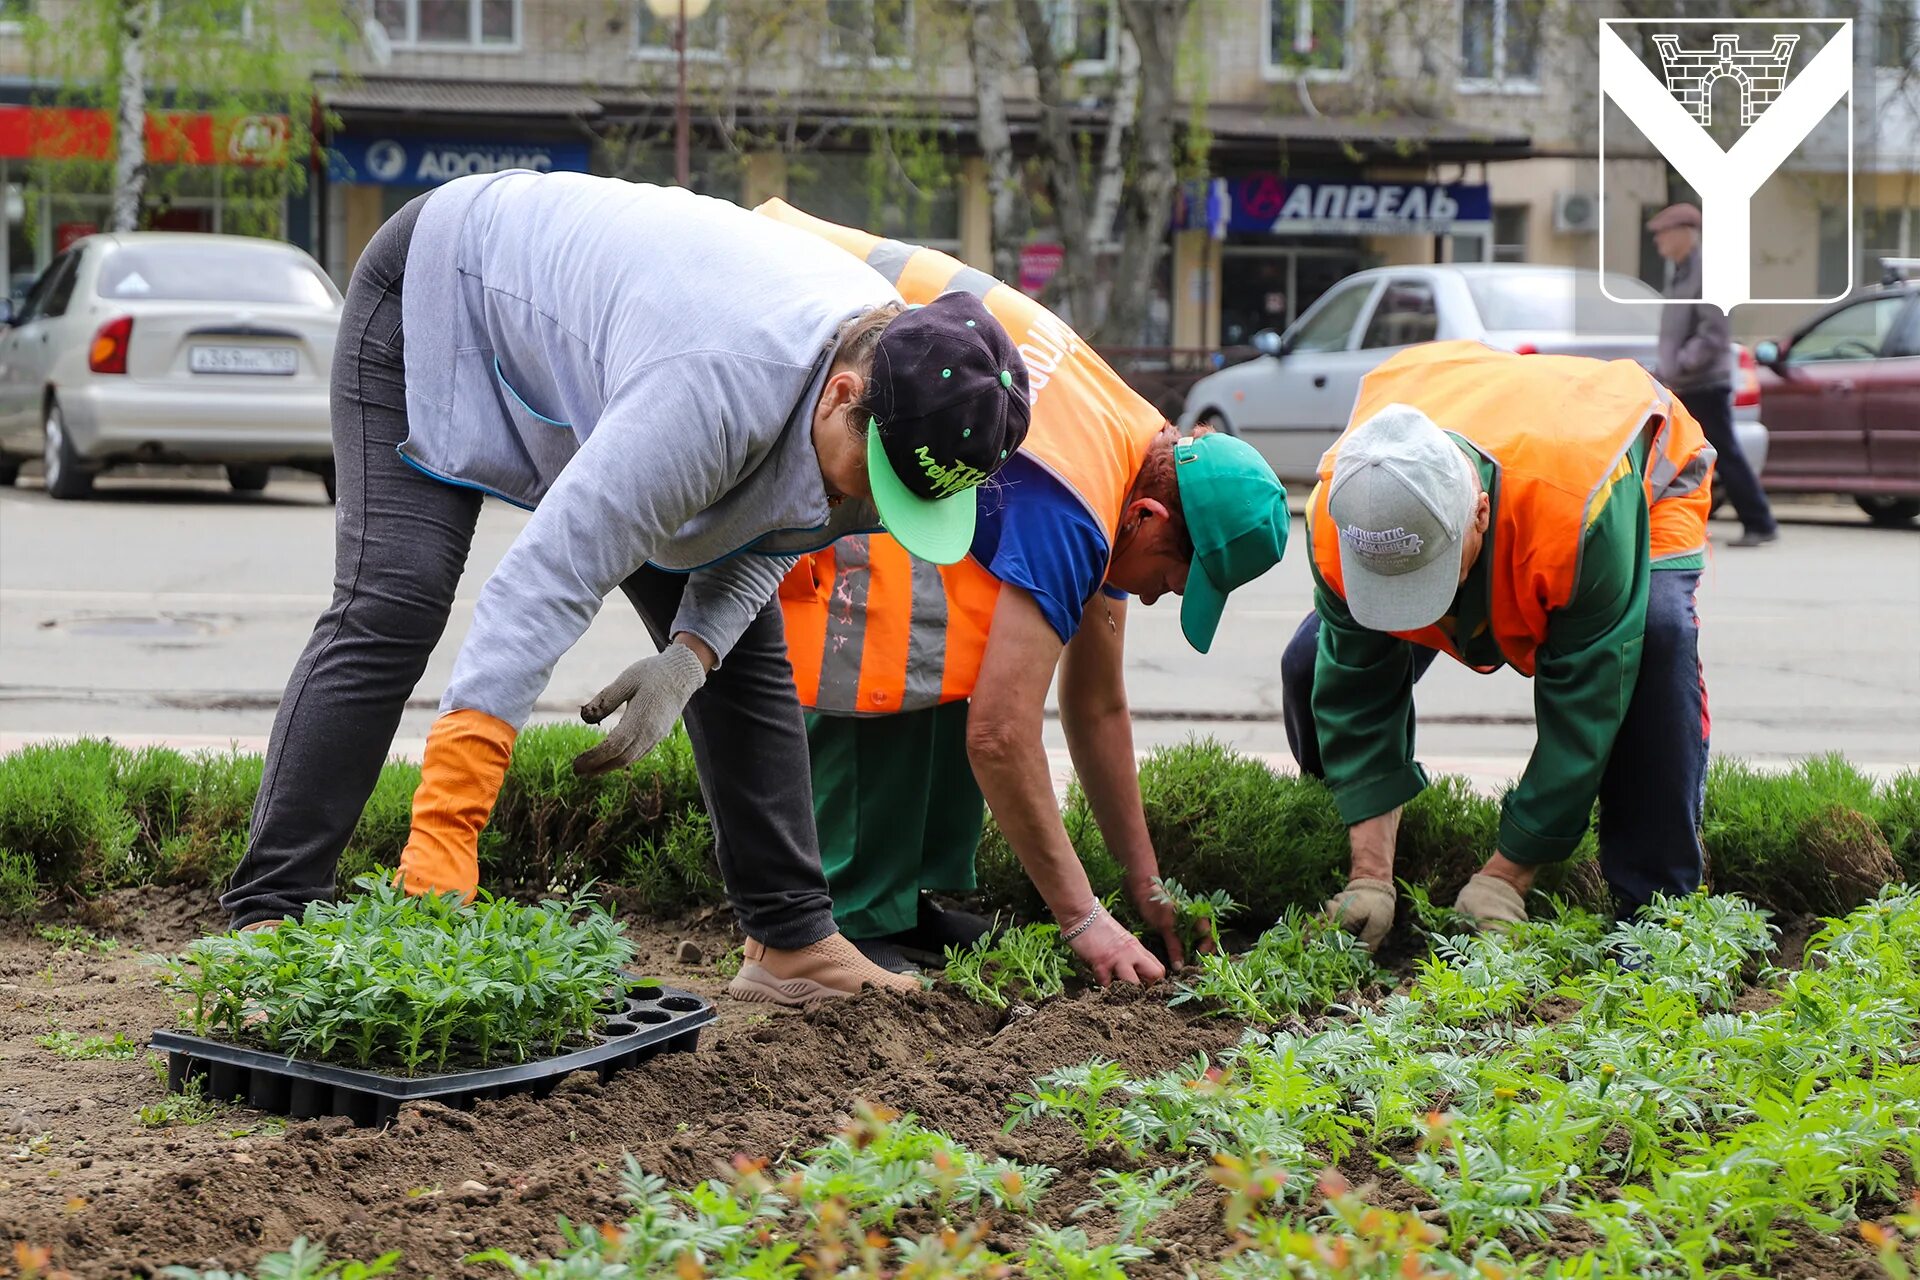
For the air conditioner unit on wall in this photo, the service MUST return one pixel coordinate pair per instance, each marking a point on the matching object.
(1576, 212)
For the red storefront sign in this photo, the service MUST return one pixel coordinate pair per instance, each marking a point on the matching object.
(1039, 263)
(85, 133)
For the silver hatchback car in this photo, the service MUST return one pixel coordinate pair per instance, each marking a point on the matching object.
(172, 348)
(1292, 401)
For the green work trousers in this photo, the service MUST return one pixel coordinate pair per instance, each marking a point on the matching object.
(898, 811)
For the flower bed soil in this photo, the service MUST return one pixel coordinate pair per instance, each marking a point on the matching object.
(111, 1198)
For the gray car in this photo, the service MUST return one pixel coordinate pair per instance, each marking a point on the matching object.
(1293, 400)
(167, 347)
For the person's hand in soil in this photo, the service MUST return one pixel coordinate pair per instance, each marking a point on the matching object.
(1112, 954)
(1157, 913)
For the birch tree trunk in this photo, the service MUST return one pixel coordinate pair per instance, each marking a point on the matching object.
(988, 52)
(1060, 149)
(1156, 27)
(130, 122)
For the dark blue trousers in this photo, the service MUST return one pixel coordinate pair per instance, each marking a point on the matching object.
(1656, 779)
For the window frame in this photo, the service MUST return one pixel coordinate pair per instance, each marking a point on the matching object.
(829, 57)
(1421, 283)
(1499, 82)
(1889, 10)
(665, 53)
(1104, 64)
(1899, 302)
(1280, 72)
(1495, 245)
(1366, 289)
(473, 44)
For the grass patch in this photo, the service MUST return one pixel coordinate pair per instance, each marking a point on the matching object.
(67, 1044)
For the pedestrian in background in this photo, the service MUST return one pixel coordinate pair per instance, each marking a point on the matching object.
(1696, 363)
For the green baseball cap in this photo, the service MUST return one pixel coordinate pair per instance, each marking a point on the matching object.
(1236, 513)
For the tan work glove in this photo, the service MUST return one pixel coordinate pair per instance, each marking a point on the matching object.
(1491, 902)
(1364, 908)
(654, 691)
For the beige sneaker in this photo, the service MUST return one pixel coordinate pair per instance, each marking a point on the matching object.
(830, 969)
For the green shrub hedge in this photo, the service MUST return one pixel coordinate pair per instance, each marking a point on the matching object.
(81, 816)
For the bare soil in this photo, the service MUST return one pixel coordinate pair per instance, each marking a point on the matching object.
(81, 1175)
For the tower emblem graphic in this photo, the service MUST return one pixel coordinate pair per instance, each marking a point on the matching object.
(1692, 73)
(1780, 105)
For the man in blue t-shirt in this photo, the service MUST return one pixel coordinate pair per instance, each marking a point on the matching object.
(898, 798)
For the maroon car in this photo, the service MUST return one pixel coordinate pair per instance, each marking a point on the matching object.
(1841, 399)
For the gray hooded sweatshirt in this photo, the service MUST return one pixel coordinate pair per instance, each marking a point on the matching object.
(639, 365)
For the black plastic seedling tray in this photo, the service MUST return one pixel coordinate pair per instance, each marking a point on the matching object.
(657, 1019)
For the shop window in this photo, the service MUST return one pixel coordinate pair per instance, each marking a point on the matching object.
(653, 35)
(1405, 315)
(1897, 35)
(1308, 36)
(1510, 232)
(1499, 44)
(878, 32)
(1881, 233)
(485, 24)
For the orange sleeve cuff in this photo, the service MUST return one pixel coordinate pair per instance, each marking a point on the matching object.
(466, 761)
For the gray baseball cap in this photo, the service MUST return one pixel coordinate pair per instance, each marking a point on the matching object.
(1401, 499)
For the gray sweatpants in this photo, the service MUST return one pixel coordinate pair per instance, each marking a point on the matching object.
(400, 544)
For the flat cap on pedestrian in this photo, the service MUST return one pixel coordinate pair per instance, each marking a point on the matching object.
(1675, 215)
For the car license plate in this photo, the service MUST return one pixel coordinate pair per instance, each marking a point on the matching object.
(280, 360)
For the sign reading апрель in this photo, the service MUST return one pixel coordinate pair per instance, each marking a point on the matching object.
(1268, 203)
(427, 162)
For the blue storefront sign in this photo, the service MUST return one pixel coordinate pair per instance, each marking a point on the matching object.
(407, 161)
(1266, 203)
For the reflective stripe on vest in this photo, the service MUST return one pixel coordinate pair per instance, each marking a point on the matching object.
(1557, 428)
(871, 631)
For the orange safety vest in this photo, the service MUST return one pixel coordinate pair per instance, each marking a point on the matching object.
(1558, 429)
(872, 631)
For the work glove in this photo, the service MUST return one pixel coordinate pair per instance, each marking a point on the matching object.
(1364, 908)
(655, 691)
(1491, 903)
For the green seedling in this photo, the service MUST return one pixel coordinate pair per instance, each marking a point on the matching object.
(1304, 963)
(1065, 1253)
(1138, 1199)
(185, 1109)
(1197, 917)
(415, 982)
(303, 1260)
(69, 1045)
(74, 938)
(1026, 964)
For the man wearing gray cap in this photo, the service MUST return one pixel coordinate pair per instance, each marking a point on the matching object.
(1696, 363)
(1546, 513)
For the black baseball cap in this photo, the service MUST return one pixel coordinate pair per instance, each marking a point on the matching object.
(949, 397)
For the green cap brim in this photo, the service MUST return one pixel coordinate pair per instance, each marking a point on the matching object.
(936, 529)
(1201, 605)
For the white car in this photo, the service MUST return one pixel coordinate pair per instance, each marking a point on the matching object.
(1291, 401)
(169, 347)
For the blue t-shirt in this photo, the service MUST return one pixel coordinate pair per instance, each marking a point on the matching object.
(1034, 534)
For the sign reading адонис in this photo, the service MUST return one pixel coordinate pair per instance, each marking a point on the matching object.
(1267, 202)
(428, 162)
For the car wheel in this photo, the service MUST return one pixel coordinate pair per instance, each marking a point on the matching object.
(67, 475)
(1888, 511)
(248, 479)
(9, 472)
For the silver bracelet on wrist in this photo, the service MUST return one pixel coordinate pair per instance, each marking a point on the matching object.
(1083, 926)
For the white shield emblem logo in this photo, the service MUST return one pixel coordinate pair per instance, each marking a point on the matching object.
(1785, 88)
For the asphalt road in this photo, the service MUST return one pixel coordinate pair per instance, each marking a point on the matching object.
(171, 609)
